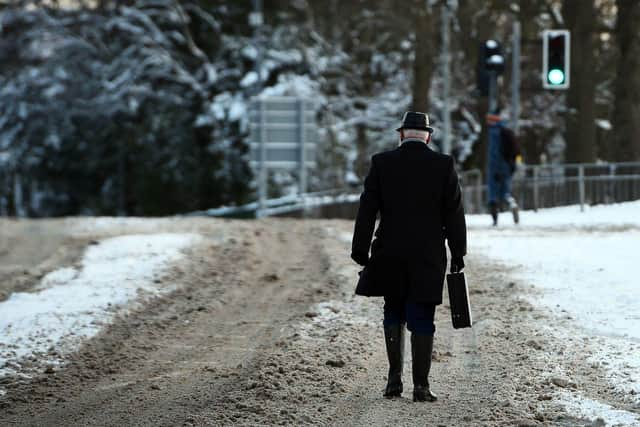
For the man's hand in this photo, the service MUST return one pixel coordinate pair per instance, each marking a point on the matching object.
(457, 265)
(360, 257)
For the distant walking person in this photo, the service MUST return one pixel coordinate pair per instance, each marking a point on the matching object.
(416, 192)
(504, 154)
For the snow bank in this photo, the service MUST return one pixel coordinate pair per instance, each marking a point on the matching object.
(623, 215)
(593, 410)
(70, 305)
(89, 226)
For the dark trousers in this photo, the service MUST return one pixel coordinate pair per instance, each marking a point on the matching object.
(417, 316)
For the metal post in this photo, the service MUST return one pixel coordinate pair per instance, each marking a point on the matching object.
(515, 77)
(446, 84)
(262, 171)
(493, 91)
(581, 186)
(536, 189)
(303, 147)
(479, 189)
(612, 184)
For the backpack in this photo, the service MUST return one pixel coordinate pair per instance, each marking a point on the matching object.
(509, 145)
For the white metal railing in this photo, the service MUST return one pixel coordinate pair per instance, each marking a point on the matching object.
(285, 204)
(534, 186)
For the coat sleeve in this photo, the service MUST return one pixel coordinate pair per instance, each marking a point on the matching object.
(367, 213)
(455, 227)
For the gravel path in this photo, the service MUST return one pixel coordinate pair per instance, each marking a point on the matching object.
(263, 329)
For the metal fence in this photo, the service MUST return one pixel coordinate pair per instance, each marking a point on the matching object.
(545, 186)
(534, 187)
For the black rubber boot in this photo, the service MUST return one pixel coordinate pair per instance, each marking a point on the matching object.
(394, 340)
(421, 348)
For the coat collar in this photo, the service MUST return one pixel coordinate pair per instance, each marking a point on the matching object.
(413, 143)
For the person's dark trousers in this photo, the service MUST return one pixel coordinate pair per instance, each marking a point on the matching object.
(419, 319)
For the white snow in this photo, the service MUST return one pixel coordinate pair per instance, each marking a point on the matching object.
(589, 274)
(604, 124)
(592, 410)
(351, 178)
(620, 215)
(237, 109)
(70, 305)
(623, 372)
(57, 277)
(327, 314)
(249, 79)
(294, 85)
(250, 52)
(584, 267)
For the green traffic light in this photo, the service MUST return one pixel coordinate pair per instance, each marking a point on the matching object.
(555, 76)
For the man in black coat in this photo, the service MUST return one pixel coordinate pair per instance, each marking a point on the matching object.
(416, 192)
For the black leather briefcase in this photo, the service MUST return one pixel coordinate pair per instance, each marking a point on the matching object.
(459, 300)
(367, 285)
(364, 287)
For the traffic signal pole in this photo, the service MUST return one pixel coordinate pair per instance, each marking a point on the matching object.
(493, 91)
(515, 77)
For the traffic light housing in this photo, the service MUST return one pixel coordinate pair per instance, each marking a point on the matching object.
(556, 59)
(489, 58)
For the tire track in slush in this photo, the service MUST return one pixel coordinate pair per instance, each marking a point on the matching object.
(164, 367)
(480, 375)
(455, 378)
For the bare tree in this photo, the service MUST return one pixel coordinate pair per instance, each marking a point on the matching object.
(426, 29)
(580, 18)
(626, 112)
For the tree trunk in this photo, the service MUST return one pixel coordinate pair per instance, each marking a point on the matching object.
(425, 27)
(626, 111)
(580, 19)
(362, 159)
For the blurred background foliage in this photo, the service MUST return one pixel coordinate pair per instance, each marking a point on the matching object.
(140, 107)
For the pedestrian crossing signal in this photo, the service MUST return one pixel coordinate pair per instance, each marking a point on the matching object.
(556, 59)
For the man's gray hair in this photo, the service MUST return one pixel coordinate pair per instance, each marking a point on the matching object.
(415, 134)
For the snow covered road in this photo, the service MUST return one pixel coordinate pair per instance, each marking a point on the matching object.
(258, 325)
(583, 267)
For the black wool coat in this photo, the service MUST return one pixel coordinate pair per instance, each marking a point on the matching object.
(416, 192)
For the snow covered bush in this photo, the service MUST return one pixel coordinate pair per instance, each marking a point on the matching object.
(107, 110)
